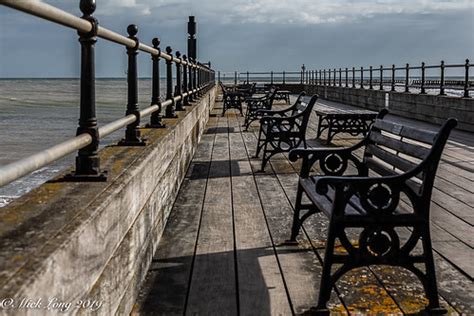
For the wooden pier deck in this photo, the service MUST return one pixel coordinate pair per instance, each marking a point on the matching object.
(223, 251)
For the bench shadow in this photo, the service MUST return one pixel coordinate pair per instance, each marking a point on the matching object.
(214, 289)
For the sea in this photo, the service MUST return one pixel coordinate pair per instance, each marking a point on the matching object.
(39, 113)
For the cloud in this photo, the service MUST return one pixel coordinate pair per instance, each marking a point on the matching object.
(281, 12)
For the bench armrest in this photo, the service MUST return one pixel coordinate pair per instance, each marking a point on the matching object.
(333, 161)
(377, 195)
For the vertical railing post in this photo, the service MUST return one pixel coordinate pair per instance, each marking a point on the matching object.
(329, 77)
(271, 77)
(340, 77)
(381, 77)
(407, 78)
(235, 77)
(324, 77)
(334, 78)
(422, 90)
(284, 79)
(371, 83)
(248, 77)
(179, 84)
(195, 77)
(170, 111)
(393, 78)
(362, 77)
(87, 159)
(353, 77)
(185, 80)
(132, 133)
(155, 118)
(190, 79)
(441, 81)
(347, 77)
(466, 79)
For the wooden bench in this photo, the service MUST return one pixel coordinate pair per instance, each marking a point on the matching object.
(337, 120)
(283, 95)
(255, 104)
(231, 99)
(283, 130)
(364, 204)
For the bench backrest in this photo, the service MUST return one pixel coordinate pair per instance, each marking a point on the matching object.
(394, 148)
(270, 97)
(302, 110)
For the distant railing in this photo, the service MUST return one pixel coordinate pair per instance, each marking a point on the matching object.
(270, 77)
(192, 79)
(401, 79)
(370, 77)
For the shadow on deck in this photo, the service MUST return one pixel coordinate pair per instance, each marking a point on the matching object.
(223, 250)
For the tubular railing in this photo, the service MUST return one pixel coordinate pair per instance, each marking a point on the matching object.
(192, 79)
(270, 77)
(381, 77)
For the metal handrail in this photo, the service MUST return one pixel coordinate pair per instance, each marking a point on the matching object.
(53, 14)
(201, 78)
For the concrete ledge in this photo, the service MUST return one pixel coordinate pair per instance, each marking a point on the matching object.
(95, 241)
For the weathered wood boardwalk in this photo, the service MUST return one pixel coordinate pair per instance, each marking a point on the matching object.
(223, 250)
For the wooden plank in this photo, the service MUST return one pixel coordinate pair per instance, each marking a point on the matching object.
(261, 287)
(213, 283)
(299, 265)
(166, 284)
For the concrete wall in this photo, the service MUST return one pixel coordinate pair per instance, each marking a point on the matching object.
(428, 108)
(95, 241)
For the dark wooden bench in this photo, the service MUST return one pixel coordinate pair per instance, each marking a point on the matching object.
(337, 120)
(283, 95)
(255, 104)
(283, 130)
(399, 162)
(232, 99)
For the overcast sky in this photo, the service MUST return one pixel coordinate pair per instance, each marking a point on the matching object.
(255, 35)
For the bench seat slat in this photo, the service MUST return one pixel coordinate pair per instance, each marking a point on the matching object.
(406, 131)
(398, 145)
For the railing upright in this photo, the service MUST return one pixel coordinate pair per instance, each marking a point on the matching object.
(132, 132)
(353, 77)
(381, 78)
(466, 79)
(155, 118)
(87, 159)
(179, 84)
(170, 110)
(362, 77)
(371, 85)
(347, 77)
(185, 81)
(393, 78)
(407, 78)
(441, 81)
(423, 91)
